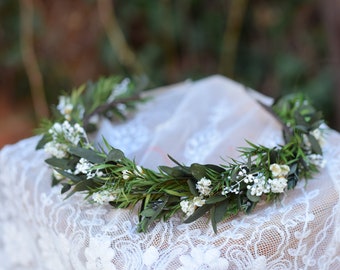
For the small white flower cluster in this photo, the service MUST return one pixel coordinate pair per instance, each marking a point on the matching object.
(65, 107)
(66, 133)
(259, 186)
(85, 167)
(317, 160)
(104, 196)
(126, 174)
(279, 181)
(257, 182)
(204, 188)
(242, 175)
(188, 207)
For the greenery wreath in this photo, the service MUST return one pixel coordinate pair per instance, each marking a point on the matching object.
(106, 176)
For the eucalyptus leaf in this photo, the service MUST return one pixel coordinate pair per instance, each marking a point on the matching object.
(219, 213)
(88, 154)
(115, 155)
(315, 145)
(44, 139)
(200, 211)
(192, 187)
(215, 199)
(61, 163)
(198, 171)
(87, 184)
(149, 212)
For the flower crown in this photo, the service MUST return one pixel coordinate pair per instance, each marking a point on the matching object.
(106, 176)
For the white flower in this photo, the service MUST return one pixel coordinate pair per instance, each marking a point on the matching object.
(279, 170)
(139, 171)
(203, 258)
(188, 207)
(198, 201)
(284, 170)
(203, 186)
(278, 185)
(83, 166)
(126, 174)
(104, 196)
(65, 106)
(317, 160)
(56, 149)
(275, 169)
(259, 186)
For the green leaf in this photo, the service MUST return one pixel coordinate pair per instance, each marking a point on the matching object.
(218, 213)
(66, 187)
(315, 144)
(149, 212)
(175, 193)
(87, 184)
(61, 163)
(215, 168)
(115, 155)
(73, 177)
(252, 198)
(192, 187)
(215, 199)
(88, 154)
(44, 139)
(200, 211)
(146, 221)
(174, 171)
(198, 171)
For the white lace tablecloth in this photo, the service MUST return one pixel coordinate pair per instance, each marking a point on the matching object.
(202, 122)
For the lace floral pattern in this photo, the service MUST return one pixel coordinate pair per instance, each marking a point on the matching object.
(301, 232)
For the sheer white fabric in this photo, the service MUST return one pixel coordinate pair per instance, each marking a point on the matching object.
(200, 121)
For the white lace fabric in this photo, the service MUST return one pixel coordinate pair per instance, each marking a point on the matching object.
(204, 122)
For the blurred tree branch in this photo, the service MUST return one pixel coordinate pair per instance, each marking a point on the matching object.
(235, 20)
(116, 37)
(30, 60)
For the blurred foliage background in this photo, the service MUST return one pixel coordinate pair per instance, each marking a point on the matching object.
(275, 47)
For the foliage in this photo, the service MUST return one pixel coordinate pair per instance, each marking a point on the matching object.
(106, 176)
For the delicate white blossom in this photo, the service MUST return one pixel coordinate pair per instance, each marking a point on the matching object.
(83, 166)
(317, 160)
(56, 149)
(259, 186)
(279, 170)
(104, 196)
(198, 201)
(65, 107)
(126, 174)
(277, 185)
(203, 186)
(188, 207)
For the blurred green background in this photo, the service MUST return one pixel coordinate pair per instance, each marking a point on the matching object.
(275, 47)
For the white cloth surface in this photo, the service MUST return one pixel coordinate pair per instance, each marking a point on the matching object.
(203, 121)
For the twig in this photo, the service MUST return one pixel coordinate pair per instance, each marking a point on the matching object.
(237, 9)
(116, 37)
(30, 60)
(109, 105)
